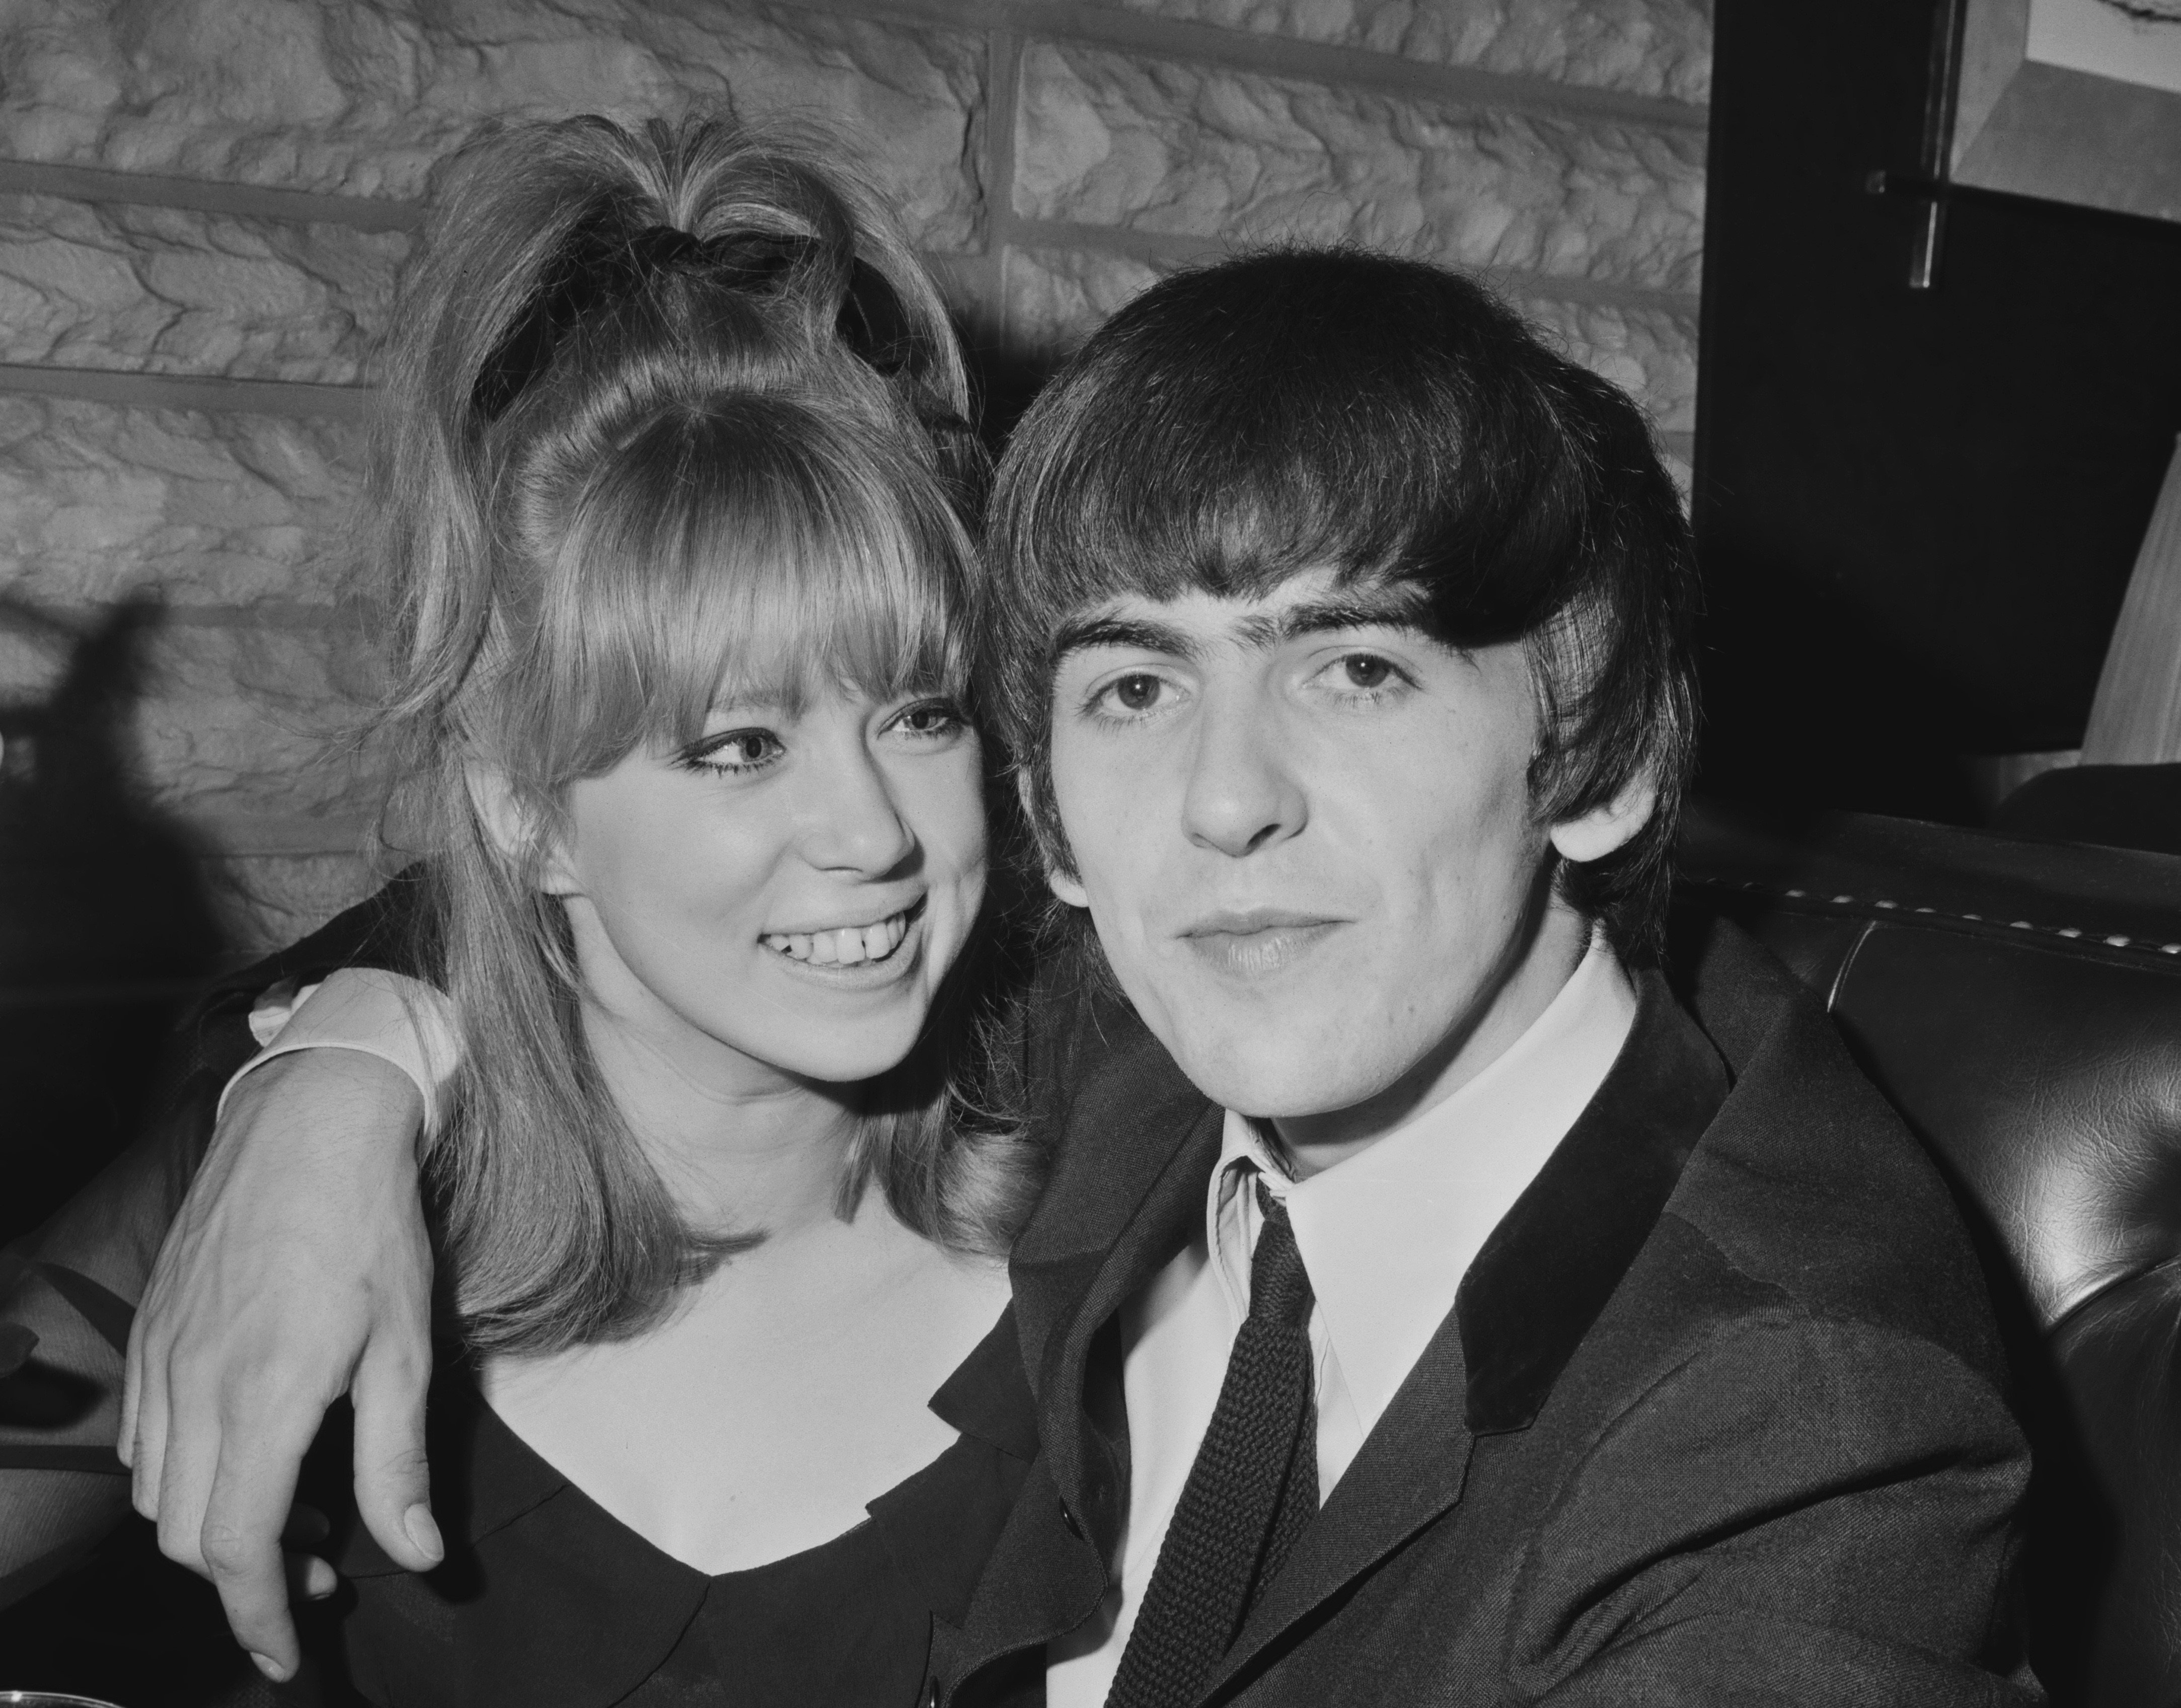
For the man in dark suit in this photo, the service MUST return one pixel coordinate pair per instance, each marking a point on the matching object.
(1636, 1353)
(1427, 1305)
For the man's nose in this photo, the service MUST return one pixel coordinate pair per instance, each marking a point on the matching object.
(855, 823)
(1242, 794)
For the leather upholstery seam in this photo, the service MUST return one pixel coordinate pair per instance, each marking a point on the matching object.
(1904, 913)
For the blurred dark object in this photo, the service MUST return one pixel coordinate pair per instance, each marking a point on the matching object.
(106, 925)
(1917, 510)
(106, 932)
(2137, 806)
(2020, 1003)
(132, 1629)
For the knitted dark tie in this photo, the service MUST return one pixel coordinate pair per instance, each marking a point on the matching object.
(1252, 1489)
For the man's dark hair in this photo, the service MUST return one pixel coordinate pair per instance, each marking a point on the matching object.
(1393, 421)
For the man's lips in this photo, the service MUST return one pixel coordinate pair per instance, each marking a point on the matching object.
(1257, 940)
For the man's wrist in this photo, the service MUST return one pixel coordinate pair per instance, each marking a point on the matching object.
(339, 1102)
(400, 1021)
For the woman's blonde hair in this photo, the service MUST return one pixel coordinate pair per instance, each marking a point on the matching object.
(667, 413)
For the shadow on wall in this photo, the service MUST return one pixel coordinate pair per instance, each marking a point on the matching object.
(106, 922)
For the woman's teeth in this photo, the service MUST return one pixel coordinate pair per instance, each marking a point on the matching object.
(844, 945)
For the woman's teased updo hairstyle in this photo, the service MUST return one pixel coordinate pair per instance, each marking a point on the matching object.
(667, 415)
(1394, 423)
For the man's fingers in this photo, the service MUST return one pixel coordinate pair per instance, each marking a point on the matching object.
(246, 1510)
(132, 1364)
(174, 1481)
(310, 1579)
(252, 1577)
(393, 1487)
(147, 1399)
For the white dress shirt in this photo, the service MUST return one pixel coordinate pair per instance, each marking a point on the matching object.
(1387, 1235)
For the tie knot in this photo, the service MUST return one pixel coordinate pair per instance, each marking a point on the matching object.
(1279, 1285)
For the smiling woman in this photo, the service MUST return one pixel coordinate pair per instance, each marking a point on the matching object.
(668, 537)
(696, 683)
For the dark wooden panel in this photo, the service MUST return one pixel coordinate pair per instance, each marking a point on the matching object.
(1918, 511)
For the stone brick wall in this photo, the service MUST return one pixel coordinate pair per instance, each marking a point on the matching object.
(204, 203)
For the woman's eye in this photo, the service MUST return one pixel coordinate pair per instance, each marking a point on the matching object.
(931, 721)
(737, 750)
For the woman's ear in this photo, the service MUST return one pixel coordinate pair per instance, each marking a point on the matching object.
(511, 825)
(1609, 826)
(1065, 885)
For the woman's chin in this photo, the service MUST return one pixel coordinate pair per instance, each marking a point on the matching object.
(847, 1055)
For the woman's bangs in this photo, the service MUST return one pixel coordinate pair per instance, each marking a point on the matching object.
(767, 570)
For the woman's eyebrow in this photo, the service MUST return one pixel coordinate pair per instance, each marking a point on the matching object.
(1141, 633)
(775, 699)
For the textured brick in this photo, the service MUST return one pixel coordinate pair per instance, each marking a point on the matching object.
(96, 500)
(365, 95)
(1650, 353)
(237, 721)
(1106, 139)
(170, 291)
(1642, 47)
(1056, 297)
(266, 900)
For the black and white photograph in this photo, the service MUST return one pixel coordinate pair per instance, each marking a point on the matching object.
(1089, 853)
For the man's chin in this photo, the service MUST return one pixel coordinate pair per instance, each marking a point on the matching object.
(1267, 1081)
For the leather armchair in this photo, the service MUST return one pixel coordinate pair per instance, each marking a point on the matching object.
(2020, 1003)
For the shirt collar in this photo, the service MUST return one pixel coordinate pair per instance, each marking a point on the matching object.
(1388, 1234)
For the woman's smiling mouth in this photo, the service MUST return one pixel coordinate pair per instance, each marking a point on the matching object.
(848, 946)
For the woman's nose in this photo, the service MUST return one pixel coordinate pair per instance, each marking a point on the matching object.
(856, 825)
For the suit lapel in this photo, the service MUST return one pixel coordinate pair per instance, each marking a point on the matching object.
(1411, 1470)
(1136, 1149)
(1532, 1293)
(1545, 1273)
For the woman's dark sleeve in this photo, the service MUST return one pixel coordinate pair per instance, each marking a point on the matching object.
(67, 1291)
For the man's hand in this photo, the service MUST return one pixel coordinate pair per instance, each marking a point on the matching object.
(297, 1269)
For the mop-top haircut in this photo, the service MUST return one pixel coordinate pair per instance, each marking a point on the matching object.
(1393, 422)
(670, 416)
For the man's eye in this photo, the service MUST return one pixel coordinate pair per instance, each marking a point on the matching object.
(1135, 692)
(1364, 671)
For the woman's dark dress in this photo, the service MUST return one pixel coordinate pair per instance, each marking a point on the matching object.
(548, 1600)
(545, 1599)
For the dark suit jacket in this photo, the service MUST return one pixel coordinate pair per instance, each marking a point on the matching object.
(1719, 1414)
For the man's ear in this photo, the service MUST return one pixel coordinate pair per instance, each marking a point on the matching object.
(513, 827)
(1069, 889)
(1608, 826)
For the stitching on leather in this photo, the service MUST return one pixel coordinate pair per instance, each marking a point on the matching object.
(2069, 934)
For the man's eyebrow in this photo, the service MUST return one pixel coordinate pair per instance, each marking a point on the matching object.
(1140, 633)
(1373, 608)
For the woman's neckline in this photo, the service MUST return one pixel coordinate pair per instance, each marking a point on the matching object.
(504, 1439)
